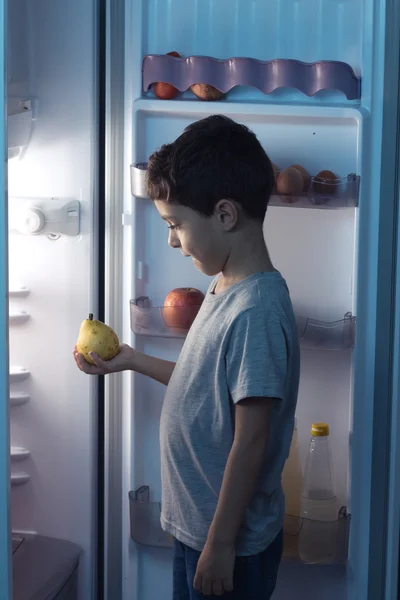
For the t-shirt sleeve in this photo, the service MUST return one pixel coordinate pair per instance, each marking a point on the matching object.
(257, 357)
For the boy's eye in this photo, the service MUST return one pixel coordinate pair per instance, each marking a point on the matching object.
(172, 226)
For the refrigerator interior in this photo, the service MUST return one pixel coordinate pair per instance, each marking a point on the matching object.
(52, 155)
(315, 248)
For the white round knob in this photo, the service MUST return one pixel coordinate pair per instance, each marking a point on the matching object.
(32, 221)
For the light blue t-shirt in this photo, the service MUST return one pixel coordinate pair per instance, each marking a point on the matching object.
(243, 344)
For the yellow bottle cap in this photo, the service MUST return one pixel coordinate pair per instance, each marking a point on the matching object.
(320, 429)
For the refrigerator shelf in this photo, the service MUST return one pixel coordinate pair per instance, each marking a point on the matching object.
(325, 335)
(342, 193)
(146, 529)
(160, 321)
(19, 454)
(18, 317)
(19, 398)
(19, 131)
(266, 76)
(152, 321)
(20, 292)
(331, 537)
(145, 520)
(18, 374)
(19, 478)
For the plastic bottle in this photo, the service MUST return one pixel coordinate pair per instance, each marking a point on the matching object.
(319, 507)
(292, 485)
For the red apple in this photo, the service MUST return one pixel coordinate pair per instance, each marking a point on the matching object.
(181, 307)
(163, 90)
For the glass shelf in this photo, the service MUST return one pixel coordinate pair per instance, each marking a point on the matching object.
(330, 538)
(340, 193)
(316, 542)
(158, 321)
(153, 321)
(265, 76)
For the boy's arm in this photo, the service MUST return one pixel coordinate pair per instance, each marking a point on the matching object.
(215, 568)
(127, 359)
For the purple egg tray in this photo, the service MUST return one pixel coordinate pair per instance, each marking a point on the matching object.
(309, 78)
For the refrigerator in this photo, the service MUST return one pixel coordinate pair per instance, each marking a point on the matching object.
(317, 81)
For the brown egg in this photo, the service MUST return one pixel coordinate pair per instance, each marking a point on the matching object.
(290, 183)
(206, 92)
(163, 90)
(325, 182)
(306, 176)
(276, 174)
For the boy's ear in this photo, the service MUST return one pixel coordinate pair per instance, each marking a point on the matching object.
(227, 214)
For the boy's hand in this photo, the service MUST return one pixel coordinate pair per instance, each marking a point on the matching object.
(214, 573)
(123, 361)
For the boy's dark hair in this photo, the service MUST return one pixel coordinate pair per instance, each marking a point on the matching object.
(214, 159)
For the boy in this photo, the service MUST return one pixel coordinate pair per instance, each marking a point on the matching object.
(228, 413)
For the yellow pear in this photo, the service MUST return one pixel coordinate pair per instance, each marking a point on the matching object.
(95, 336)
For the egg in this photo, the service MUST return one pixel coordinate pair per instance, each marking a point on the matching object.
(276, 170)
(306, 176)
(163, 90)
(203, 91)
(290, 183)
(325, 182)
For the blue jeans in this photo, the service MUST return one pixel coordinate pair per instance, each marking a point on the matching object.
(254, 577)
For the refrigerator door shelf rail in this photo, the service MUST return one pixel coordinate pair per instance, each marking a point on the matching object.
(20, 292)
(266, 76)
(18, 374)
(159, 321)
(19, 130)
(19, 398)
(19, 478)
(145, 520)
(19, 454)
(342, 192)
(325, 335)
(18, 317)
(331, 538)
(146, 530)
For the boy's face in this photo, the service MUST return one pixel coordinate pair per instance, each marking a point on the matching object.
(197, 236)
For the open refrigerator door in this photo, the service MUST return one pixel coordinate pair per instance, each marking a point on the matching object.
(53, 272)
(307, 78)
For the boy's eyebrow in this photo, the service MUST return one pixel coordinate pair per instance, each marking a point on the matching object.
(168, 217)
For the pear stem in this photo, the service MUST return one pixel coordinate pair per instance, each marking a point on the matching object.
(90, 317)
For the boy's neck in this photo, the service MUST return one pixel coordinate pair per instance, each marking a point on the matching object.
(248, 255)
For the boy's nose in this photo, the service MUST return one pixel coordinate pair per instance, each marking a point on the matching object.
(173, 240)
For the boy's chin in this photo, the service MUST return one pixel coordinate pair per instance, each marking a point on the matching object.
(209, 270)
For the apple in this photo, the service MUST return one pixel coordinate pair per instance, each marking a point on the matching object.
(181, 307)
(163, 90)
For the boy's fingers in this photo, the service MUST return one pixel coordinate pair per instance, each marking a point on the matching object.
(228, 584)
(97, 360)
